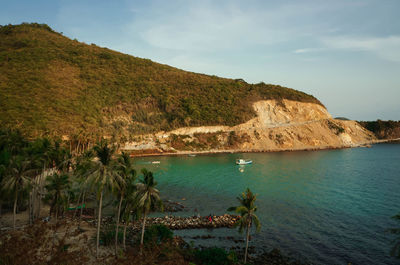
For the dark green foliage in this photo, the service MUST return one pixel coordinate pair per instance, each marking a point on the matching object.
(28, 158)
(52, 85)
(335, 128)
(213, 256)
(383, 129)
(107, 235)
(57, 188)
(157, 234)
(247, 210)
(104, 152)
(234, 139)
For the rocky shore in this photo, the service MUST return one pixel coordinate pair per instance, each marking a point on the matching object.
(178, 223)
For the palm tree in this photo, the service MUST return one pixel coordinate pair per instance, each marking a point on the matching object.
(60, 157)
(130, 205)
(148, 197)
(57, 188)
(395, 251)
(83, 167)
(12, 143)
(102, 176)
(17, 179)
(247, 210)
(41, 151)
(125, 171)
(4, 164)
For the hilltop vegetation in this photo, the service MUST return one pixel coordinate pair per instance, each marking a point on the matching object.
(52, 85)
(383, 129)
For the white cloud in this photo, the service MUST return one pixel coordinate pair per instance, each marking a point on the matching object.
(309, 50)
(214, 26)
(387, 48)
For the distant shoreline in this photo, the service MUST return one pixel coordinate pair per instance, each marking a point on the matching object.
(236, 151)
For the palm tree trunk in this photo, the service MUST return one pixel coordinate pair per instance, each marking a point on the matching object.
(30, 208)
(33, 201)
(144, 224)
(41, 178)
(66, 207)
(116, 229)
(124, 237)
(247, 242)
(15, 207)
(98, 224)
(83, 202)
(57, 206)
(76, 208)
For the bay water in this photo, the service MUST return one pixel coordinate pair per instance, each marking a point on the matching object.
(327, 207)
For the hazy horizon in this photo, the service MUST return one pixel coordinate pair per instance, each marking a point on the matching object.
(345, 53)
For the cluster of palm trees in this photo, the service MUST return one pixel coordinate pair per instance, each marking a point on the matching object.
(44, 170)
(103, 174)
(24, 167)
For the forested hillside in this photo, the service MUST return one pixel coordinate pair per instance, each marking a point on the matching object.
(52, 85)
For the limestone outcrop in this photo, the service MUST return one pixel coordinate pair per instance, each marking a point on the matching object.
(279, 125)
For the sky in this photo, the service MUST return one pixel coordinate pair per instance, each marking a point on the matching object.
(344, 52)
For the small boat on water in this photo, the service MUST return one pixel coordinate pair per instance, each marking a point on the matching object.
(155, 162)
(243, 161)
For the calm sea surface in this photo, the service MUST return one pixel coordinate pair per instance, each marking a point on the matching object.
(329, 207)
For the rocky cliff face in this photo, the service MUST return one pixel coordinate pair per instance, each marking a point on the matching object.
(279, 125)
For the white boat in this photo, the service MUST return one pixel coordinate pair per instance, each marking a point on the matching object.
(156, 162)
(243, 161)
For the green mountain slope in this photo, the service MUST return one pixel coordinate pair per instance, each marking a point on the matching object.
(50, 84)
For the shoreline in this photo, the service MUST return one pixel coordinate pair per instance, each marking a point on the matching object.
(236, 151)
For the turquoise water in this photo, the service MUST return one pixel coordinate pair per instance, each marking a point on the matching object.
(330, 207)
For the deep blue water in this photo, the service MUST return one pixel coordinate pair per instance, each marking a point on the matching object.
(329, 207)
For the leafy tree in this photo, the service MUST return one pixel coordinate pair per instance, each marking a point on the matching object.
(57, 188)
(41, 152)
(130, 208)
(125, 170)
(148, 197)
(17, 179)
(82, 168)
(61, 157)
(157, 234)
(102, 176)
(213, 256)
(247, 210)
(12, 144)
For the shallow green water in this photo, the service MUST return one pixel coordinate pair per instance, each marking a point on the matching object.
(331, 207)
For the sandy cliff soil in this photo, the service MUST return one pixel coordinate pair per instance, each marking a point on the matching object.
(279, 125)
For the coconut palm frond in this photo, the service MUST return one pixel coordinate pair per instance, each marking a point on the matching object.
(246, 210)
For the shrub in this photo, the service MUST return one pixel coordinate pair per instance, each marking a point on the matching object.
(157, 234)
(213, 256)
(107, 235)
(336, 128)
